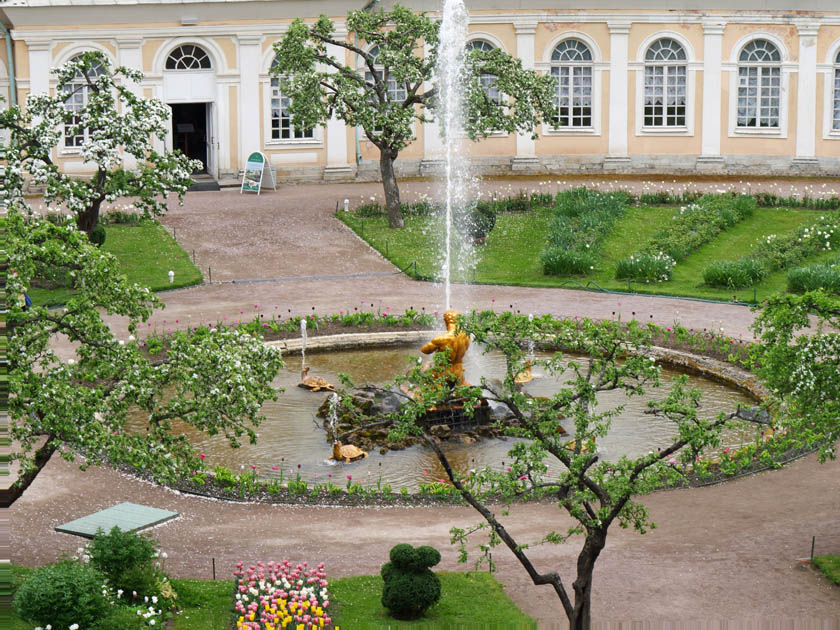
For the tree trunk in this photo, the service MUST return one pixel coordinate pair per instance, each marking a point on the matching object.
(581, 618)
(88, 219)
(392, 191)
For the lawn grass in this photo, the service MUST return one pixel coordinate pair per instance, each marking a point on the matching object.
(358, 604)
(511, 254)
(208, 605)
(830, 567)
(146, 253)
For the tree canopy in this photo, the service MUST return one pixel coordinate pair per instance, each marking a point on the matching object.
(94, 110)
(391, 86)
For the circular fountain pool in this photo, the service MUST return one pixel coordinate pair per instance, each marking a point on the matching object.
(293, 441)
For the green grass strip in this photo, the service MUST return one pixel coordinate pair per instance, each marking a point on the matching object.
(358, 605)
(830, 567)
(146, 253)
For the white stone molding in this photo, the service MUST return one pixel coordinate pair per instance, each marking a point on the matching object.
(39, 66)
(806, 93)
(489, 37)
(249, 57)
(638, 68)
(712, 59)
(525, 37)
(619, 40)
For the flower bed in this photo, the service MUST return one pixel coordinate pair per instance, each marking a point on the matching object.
(271, 596)
(773, 253)
(584, 218)
(694, 226)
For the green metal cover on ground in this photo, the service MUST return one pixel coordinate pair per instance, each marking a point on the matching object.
(129, 517)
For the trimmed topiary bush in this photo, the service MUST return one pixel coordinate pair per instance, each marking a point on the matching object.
(410, 586)
(63, 594)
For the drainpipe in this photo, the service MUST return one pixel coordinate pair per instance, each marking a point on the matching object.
(12, 81)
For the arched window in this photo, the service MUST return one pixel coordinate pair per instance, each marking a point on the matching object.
(665, 84)
(836, 119)
(759, 85)
(281, 118)
(396, 93)
(487, 80)
(188, 57)
(571, 66)
(78, 92)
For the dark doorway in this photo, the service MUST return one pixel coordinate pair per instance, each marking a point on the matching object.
(189, 131)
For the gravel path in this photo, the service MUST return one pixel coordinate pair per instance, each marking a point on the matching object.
(723, 553)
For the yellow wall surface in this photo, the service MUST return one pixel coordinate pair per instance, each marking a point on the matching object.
(494, 145)
(57, 48)
(150, 48)
(733, 33)
(828, 37)
(109, 46)
(639, 32)
(548, 32)
(21, 54)
(228, 47)
(502, 32)
(825, 147)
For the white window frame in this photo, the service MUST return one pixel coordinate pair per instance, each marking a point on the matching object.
(68, 54)
(269, 142)
(831, 74)
(203, 49)
(496, 43)
(570, 66)
(598, 66)
(691, 64)
(733, 66)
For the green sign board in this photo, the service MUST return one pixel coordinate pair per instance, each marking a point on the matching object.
(255, 169)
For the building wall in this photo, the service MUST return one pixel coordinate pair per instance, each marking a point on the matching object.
(238, 38)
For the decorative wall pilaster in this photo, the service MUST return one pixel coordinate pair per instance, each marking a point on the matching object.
(618, 127)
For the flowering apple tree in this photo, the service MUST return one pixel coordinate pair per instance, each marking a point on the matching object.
(594, 491)
(75, 384)
(799, 360)
(393, 84)
(110, 123)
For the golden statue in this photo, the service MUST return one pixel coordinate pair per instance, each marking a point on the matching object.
(456, 343)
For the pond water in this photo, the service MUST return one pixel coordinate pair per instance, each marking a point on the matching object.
(293, 440)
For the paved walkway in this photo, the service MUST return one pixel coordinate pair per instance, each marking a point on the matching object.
(728, 552)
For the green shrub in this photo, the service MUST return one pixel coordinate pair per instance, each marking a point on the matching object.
(62, 594)
(97, 235)
(120, 217)
(557, 261)
(824, 276)
(410, 586)
(734, 274)
(647, 268)
(127, 559)
(478, 221)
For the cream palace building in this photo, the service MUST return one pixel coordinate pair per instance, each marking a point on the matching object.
(747, 87)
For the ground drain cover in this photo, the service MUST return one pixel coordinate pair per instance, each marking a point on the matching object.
(129, 517)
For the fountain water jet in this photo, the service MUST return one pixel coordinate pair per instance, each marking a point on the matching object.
(450, 73)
